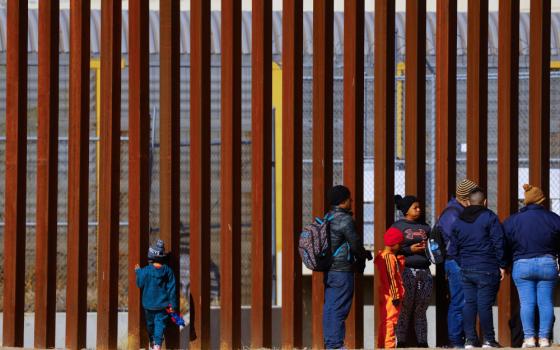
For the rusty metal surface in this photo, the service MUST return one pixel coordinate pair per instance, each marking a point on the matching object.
(200, 172)
(446, 121)
(230, 238)
(384, 100)
(477, 92)
(415, 104)
(138, 174)
(108, 231)
(508, 119)
(292, 51)
(353, 148)
(539, 95)
(47, 172)
(323, 13)
(16, 157)
(262, 138)
(78, 182)
(170, 139)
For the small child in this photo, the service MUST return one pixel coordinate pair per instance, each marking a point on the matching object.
(157, 282)
(390, 291)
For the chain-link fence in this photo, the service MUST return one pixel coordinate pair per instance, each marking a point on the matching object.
(338, 103)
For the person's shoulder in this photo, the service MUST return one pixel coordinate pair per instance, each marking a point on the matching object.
(343, 218)
(491, 214)
(510, 219)
(399, 224)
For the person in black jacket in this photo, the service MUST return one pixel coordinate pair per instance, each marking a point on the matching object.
(533, 234)
(349, 256)
(478, 238)
(417, 278)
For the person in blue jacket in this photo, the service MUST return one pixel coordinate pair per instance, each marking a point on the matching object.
(478, 243)
(157, 282)
(444, 224)
(533, 235)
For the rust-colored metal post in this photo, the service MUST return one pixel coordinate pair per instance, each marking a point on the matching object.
(78, 170)
(108, 232)
(446, 114)
(230, 239)
(539, 95)
(138, 150)
(170, 139)
(415, 112)
(261, 297)
(323, 14)
(477, 92)
(508, 115)
(384, 101)
(292, 51)
(47, 172)
(353, 151)
(200, 171)
(16, 158)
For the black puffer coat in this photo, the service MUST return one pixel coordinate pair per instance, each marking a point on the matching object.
(347, 246)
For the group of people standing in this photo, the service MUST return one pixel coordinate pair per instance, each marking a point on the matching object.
(476, 250)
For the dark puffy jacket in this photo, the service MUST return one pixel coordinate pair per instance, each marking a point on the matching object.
(158, 287)
(445, 224)
(478, 240)
(348, 249)
(533, 231)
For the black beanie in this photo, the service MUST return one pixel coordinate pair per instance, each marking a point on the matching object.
(337, 195)
(403, 204)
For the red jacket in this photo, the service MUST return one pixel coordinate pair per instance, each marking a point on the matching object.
(390, 268)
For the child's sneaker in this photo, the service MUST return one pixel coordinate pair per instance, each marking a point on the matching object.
(529, 343)
(157, 347)
(544, 343)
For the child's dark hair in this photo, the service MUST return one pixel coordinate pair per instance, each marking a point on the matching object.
(337, 195)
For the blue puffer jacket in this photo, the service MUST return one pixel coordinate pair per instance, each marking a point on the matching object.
(478, 238)
(533, 231)
(158, 287)
(445, 222)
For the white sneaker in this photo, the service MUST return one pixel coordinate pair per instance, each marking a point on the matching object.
(529, 343)
(544, 343)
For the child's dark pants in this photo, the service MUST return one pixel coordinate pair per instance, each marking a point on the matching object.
(156, 321)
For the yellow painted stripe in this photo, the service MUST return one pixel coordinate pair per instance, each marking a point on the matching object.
(277, 105)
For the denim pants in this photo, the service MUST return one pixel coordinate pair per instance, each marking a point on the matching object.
(156, 321)
(535, 280)
(339, 289)
(480, 289)
(455, 330)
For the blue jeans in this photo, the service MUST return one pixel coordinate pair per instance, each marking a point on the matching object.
(456, 304)
(339, 289)
(535, 280)
(480, 290)
(156, 321)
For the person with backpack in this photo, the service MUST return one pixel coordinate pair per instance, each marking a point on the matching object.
(478, 242)
(441, 233)
(533, 234)
(417, 278)
(390, 291)
(348, 256)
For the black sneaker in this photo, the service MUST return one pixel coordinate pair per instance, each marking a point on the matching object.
(470, 344)
(423, 345)
(490, 344)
